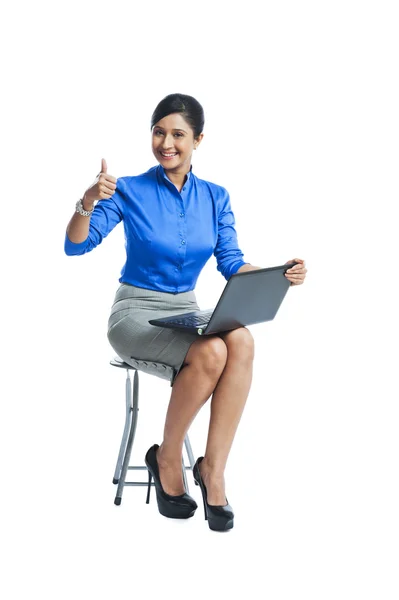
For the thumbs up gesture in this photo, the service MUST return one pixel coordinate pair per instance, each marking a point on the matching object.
(102, 188)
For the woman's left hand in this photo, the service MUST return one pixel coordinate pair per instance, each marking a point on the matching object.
(296, 275)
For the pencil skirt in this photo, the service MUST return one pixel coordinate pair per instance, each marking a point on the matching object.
(142, 345)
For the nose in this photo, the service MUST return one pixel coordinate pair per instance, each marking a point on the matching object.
(168, 141)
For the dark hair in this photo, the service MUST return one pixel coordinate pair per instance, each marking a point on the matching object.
(187, 106)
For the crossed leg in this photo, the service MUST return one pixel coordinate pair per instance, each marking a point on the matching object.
(220, 366)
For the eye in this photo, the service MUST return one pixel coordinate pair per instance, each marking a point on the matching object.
(178, 135)
(157, 132)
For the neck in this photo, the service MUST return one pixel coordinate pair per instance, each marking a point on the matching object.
(179, 177)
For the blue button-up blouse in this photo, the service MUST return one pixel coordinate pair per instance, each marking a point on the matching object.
(169, 235)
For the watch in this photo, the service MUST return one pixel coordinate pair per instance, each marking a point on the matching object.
(81, 210)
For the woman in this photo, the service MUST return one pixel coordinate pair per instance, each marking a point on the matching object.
(173, 223)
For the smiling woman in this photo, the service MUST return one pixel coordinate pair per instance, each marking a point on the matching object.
(176, 131)
(173, 223)
(173, 144)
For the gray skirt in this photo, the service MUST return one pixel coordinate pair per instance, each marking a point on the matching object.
(143, 345)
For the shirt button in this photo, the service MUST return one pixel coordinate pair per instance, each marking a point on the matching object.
(182, 214)
(183, 241)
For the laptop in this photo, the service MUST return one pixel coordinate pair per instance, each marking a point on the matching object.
(248, 298)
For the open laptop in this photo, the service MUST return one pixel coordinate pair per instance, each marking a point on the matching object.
(248, 298)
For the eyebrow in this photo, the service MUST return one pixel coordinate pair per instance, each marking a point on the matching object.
(159, 127)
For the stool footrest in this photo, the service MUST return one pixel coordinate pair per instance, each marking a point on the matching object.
(188, 468)
(137, 483)
(138, 468)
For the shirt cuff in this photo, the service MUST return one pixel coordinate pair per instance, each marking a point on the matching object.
(72, 248)
(237, 266)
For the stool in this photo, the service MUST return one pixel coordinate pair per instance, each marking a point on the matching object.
(132, 409)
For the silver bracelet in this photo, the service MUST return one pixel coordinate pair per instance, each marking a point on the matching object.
(81, 210)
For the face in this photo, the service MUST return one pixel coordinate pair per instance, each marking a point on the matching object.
(173, 142)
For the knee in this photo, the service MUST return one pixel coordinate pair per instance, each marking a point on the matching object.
(211, 356)
(240, 345)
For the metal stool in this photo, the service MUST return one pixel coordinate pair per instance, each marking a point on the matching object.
(132, 409)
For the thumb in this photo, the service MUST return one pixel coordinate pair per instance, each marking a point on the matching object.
(103, 166)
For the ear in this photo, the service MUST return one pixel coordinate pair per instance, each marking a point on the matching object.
(198, 140)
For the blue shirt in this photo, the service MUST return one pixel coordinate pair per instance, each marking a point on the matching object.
(169, 235)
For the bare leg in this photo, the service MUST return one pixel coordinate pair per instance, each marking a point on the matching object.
(204, 365)
(227, 405)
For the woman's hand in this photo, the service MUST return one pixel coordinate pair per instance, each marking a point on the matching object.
(102, 188)
(296, 275)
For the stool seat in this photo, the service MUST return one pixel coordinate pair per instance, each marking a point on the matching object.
(118, 362)
(150, 367)
(132, 408)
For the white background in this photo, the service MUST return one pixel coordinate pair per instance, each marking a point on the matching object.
(301, 105)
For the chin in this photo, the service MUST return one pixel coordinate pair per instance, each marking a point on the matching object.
(166, 164)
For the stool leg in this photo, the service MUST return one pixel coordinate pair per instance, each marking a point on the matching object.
(126, 429)
(126, 460)
(190, 454)
(189, 451)
(185, 477)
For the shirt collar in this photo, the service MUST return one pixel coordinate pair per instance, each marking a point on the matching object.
(162, 171)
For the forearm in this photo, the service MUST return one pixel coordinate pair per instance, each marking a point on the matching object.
(78, 226)
(247, 267)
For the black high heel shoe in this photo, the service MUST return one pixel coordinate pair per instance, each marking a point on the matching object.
(220, 518)
(175, 507)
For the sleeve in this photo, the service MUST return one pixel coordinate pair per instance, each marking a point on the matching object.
(106, 215)
(227, 252)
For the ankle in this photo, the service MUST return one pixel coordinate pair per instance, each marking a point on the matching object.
(167, 456)
(212, 469)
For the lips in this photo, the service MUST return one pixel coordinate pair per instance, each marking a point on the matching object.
(168, 155)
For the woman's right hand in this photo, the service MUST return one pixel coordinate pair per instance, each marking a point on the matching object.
(102, 188)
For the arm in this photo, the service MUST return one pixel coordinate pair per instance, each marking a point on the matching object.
(106, 215)
(296, 275)
(85, 232)
(247, 267)
(229, 256)
(78, 227)
(227, 252)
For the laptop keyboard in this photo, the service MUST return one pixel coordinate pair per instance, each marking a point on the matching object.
(194, 320)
